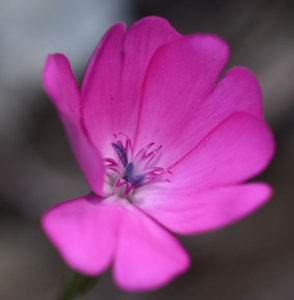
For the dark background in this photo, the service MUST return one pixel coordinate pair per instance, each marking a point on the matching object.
(252, 259)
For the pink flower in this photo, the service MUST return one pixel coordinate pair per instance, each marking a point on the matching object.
(164, 147)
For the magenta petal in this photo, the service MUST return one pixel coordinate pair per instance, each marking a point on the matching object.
(84, 232)
(147, 255)
(190, 211)
(100, 89)
(60, 84)
(114, 78)
(180, 77)
(238, 149)
(141, 42)
(89, 233)
(238, 91)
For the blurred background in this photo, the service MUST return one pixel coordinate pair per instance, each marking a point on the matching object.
(252, 259)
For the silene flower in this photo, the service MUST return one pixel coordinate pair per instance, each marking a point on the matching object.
(165, 147)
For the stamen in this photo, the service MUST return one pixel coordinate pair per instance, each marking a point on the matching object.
(138, 181)
(135, 181)
(134, 171)
(129, 172)
(121, 153)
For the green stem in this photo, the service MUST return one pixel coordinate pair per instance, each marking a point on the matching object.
(77, 284)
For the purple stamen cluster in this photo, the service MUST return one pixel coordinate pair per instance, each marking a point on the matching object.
(136, 172)
(135, 181)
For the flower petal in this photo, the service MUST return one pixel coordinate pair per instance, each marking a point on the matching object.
(90, 232)
(60, 84)
(100, 89)
(113, 82)
(190, 211)
(180, 77)
(147, 255)
(237, 91)
(84, 232)
(236, 150)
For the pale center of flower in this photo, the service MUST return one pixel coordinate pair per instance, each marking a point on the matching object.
(127, 172)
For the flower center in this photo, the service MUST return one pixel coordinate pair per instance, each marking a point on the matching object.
(133, 171)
